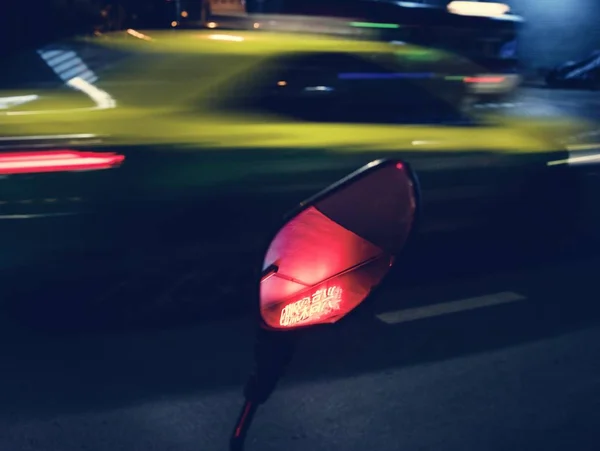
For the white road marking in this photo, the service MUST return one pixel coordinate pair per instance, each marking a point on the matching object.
(67, 65)
(55, 59)
(580, 154)
(102, 99)
(9, 102)
(413, 314)
(76, 74)
(577, 160)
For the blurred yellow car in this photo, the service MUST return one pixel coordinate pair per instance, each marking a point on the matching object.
(227, 109)
(301, 108)
(209, 135)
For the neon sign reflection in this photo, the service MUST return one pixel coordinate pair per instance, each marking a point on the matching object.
(323, 302)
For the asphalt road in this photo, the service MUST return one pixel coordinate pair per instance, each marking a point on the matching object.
(522, 374)
(476, 346)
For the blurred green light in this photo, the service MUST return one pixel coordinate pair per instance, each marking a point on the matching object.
(454, 78)
(418, 54)
(373, 25)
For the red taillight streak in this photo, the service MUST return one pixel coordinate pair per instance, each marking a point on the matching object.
(49, 156)
(484, 79)
(56, 161)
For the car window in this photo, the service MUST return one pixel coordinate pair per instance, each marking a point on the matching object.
(343, 87)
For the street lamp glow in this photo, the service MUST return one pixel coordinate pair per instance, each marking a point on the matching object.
(480, 9)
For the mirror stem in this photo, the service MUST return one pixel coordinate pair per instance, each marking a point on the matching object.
(243, 424)
(273, 352)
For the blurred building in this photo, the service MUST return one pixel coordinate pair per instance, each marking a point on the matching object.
(33, 23)
(556, 30)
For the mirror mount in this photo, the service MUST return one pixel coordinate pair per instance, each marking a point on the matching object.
(273, 351)
(269, 272)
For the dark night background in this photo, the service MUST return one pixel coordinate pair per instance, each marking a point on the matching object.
(486, 336)
(552, 34)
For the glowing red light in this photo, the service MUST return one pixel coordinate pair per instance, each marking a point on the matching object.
(484, 79)
(399, 166)
(57, 161)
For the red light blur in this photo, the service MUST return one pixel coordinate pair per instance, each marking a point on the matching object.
(399, 166)
(311, 248)
(57, 161)
(484, 79)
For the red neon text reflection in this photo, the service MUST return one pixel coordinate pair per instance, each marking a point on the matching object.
(310, 308)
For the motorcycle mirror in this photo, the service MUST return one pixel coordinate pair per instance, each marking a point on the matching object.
(322, 263)
(339, 245)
